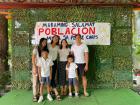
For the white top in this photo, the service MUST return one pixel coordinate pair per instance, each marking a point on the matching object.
(63, 53)
(53, 52)
(45, 66)
(72, 70)
(35, 52)
(78, 52)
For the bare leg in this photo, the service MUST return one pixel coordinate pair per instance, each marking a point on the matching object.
(48, 89)
(62, 90)
(76, 89)
(41, 90)
(34, 85)
(65, 90)
(55, 91)
(70, 89)
(84, 80)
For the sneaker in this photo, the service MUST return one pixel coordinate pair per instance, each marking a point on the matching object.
(76, 94)
(49, 97)
(70, 94)
(40, 99)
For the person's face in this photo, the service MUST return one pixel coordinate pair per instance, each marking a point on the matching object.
(70, 60)
(44, 43)
(78, 39)
(45, 54)
(64, 43)
(55, 39)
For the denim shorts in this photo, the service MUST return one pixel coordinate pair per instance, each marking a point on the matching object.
(45, 80)
(72, 81)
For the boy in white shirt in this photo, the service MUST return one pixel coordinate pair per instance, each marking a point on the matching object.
(45, 71)
(72, 76)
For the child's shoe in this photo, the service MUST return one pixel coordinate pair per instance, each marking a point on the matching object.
(49, 97)
(76, 95)
(40, 99)
(70, 94)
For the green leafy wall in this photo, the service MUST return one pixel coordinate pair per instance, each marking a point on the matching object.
(109, 66)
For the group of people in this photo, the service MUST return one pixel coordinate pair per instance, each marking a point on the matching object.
(56, 64)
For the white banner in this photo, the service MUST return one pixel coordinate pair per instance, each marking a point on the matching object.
(92, 33)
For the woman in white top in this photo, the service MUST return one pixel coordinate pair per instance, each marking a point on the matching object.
(64, 51)
(53, 54)
(36, 54)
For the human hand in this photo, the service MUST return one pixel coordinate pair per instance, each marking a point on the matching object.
(34, 70)
(77, 78)
(67, 78)
(86, 68)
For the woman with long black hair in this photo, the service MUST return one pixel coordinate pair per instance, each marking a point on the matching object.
(64, 51)
(36, 54)
(53, 54)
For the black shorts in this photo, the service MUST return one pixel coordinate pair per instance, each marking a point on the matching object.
(81, 69)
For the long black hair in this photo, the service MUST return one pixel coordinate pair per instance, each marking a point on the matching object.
(58, 39)
(61, 43)
(40, 46)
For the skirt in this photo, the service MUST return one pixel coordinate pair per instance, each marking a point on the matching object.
(62, 73)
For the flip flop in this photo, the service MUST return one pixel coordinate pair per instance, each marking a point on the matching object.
(34, 99)
(86, 94)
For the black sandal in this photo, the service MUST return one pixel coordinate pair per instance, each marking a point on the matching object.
(34, 99)
(58, 98)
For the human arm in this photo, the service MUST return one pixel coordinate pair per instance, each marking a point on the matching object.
(50, 72)
(66, 73)
(39, 73)
(34, 67)
(51, 64)
(86, 56)
(77, 75)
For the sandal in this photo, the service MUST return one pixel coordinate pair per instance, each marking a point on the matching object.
(58, 98)
(34, 99)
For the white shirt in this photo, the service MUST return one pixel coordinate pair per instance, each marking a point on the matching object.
(45, 66)
(72, 70)
(53, 52)
(79, 52)
(35, 52)
(63, 53)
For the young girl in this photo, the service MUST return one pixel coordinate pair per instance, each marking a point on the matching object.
(72, 75)
(63, 53)
(53, 54)
(36, 54)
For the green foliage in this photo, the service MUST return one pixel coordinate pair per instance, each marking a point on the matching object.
(122, 63)
(4, 79)
(105, 61)
(122, 36)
